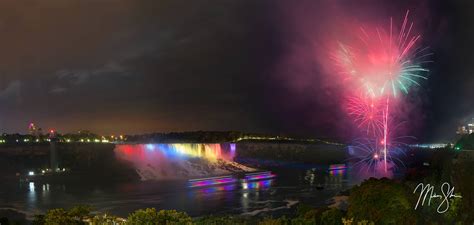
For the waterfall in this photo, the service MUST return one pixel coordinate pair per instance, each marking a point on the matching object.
(180, 161)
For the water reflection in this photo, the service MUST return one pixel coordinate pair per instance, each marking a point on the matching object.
(337, 173)
(311, 176)
(38, 193)
(31, 187)
(259, 185)
(326, 178)
(337, 178)
(31, 193)
(228, 190)
(254, 185)
(214, 189)
(45, 187)
(255, 195)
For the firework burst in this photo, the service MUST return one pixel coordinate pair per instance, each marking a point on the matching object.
(367, 154)
(382, 62)
(367, 114)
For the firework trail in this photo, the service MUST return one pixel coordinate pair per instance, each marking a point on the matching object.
(381, 64)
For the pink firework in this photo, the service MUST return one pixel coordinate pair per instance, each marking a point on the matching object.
(367, 114)
(381, 62)
(379, 65)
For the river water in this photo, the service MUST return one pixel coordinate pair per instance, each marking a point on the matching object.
(165, 170)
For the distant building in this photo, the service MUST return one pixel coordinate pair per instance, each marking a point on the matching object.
(462, 130)
(470, 126)
(52, 134)
(32, 129)
(466, 129)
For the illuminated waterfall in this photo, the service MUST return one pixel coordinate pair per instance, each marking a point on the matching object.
(180, 161)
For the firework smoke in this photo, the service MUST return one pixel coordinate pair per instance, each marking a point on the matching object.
(381, 64)
(351, 56)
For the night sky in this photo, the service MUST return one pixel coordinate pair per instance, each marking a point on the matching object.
(136, 66)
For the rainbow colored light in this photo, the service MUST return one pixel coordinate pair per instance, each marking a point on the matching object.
(340, 172)
(211, 181)
(260, 184)
(210, 152)
(259, 176)
(249, 178)
(337, 167)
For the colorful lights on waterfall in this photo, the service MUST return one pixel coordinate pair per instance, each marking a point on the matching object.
(172, 161)
(211, 152)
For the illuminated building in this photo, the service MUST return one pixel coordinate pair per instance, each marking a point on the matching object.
(466, 129)
(462, 130)
(52, 133)
(470, 126)
(32, 129)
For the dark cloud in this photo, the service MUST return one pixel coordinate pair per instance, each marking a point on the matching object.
(11, 91)
(131, 66)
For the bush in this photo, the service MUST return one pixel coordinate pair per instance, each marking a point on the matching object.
(4, 220)
(38, 220)
(383, 202)
(72, 216)
(59, 217)
(272, 221)
(463, 180)
(331, 217)
(80, 211)
(301, 221)
(220, 220)
(150, 216)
